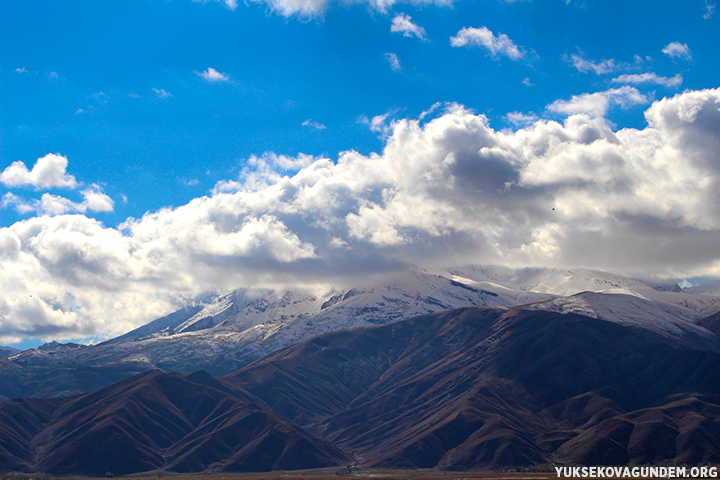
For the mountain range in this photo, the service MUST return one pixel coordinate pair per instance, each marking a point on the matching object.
(459, 369)
(464, 389)
(223, 333)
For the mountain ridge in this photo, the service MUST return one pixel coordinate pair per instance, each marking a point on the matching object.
(239, 327)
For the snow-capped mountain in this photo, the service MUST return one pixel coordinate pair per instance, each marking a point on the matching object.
(223, 333)
(664, 319)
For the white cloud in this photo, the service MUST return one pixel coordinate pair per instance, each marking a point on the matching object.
(527, 82)
(316, 8)
(402, 23)
(446, 189)
(313, 124)
(381, 124)
(94, 201)
(709, 10)
(48, 171)
(520, 119)
(394, 61)
(101, 98)
(21, 70)
(483, 37)
(10, 200)
(231, 4)
(650, 77)
(161, 93)
(677, 50)
(213, 76)
(597, 104)
(599, 68)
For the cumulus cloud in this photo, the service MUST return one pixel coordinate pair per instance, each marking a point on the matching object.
(597, 104)
(48, 171)
(599, 68)
(213, 76)
(402, 23)
(650, 77)
(484, 37)
(446, 189)
(677, 50)
(394, 61)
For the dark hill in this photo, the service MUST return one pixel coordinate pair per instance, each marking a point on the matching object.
(155, 421)
(464, 389)
(486, 387)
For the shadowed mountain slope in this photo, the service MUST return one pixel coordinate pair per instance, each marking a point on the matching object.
(155, 421)
(486, 387)
(469, 388)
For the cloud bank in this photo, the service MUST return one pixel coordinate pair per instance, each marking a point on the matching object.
(446, 189)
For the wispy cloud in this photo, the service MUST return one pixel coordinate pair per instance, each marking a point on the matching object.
(520, 119)
(381, 124)
(101, 97)
(402, 23)
(484, 37)
(394, 61)
(213, 76)
(598, 67)
(316, 8)
(161, 93)
(313, 124)
(21, 70)
(650, 77)
(94, 200)
(709, 10)
(597, 104)
(677, 50)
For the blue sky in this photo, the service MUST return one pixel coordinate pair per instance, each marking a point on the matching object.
(149, 106)
(91, 71)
